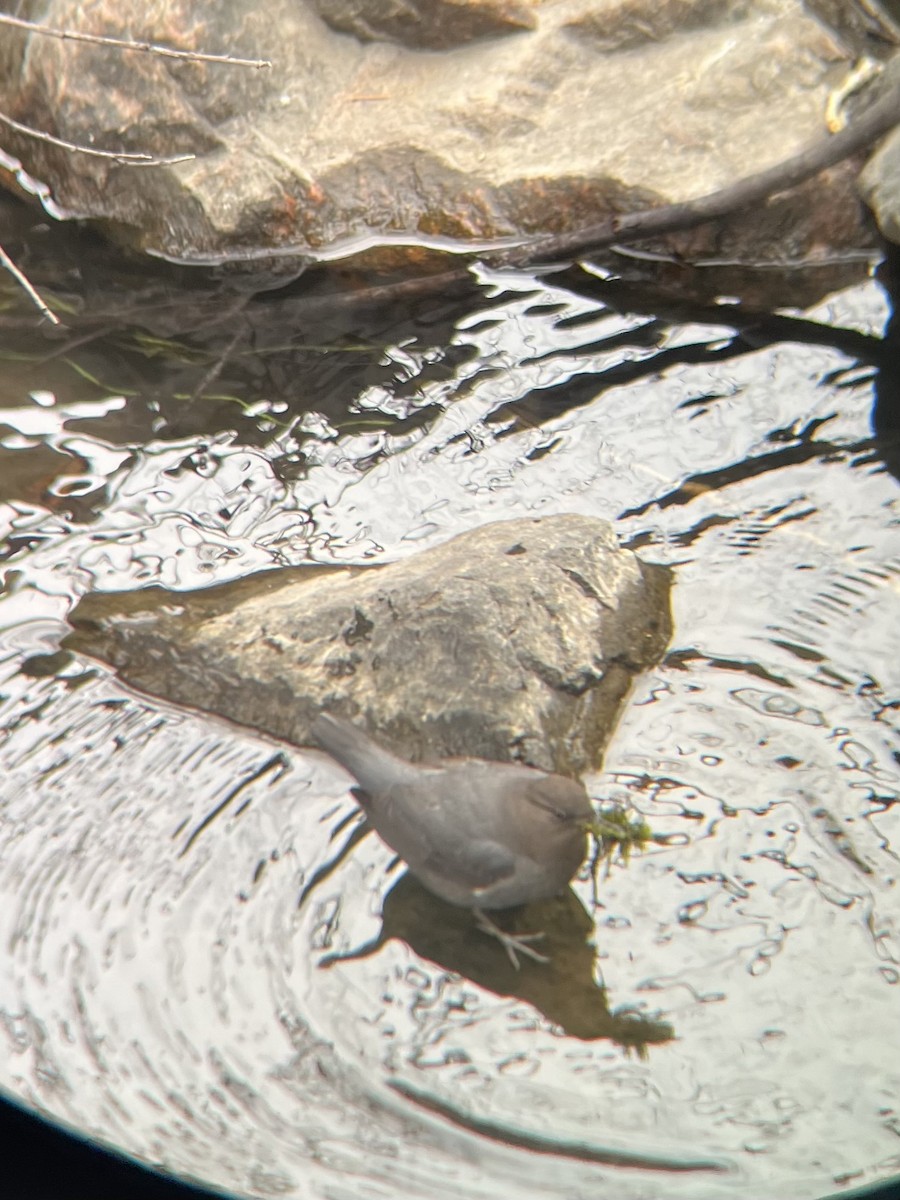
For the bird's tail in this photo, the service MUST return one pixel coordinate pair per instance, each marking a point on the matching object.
(373, 767)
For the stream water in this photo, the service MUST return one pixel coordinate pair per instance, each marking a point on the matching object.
(199, 969)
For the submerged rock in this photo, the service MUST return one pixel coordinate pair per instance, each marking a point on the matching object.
(518, 640)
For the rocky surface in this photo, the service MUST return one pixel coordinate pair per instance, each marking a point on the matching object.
(427, 24)
(380, 121)
(518, 640)
(880, 180)
(880, 186)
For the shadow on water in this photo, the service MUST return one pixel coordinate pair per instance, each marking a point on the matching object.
(564, 990)
(886, 410)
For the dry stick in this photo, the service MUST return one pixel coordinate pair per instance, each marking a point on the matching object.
(31, 292)
(130, 158)
(218, 366)
(96, 39)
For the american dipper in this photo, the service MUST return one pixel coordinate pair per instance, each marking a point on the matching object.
(476, 833)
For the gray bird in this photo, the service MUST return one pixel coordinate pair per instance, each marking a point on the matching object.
(476, 833)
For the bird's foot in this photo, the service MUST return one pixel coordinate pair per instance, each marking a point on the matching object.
(513, 943)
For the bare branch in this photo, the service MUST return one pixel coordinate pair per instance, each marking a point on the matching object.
(95, 39)
(24, 283)
(135, 159)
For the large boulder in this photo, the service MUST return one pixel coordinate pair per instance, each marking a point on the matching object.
(518, 640)
(529, 117)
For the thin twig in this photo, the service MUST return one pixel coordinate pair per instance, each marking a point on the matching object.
(133, 159)
(24, 283)
(95, 39)
(218, 366)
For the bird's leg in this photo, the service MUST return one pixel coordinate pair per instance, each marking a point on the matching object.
(513, 943)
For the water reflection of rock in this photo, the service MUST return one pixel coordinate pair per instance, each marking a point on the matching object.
(564, 990)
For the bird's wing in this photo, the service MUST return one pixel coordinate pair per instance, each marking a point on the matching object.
(433, 837)
(473, 864)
